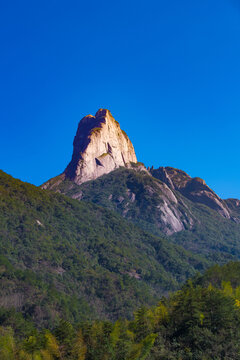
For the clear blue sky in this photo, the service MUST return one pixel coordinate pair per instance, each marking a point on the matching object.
(168, 70)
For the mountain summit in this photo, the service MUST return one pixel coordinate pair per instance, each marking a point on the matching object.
(99, 147)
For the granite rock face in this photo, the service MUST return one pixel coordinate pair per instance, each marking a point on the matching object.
(195, 189)
(99, 147)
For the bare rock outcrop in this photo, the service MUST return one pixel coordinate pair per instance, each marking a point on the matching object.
(99, 147)
(195, 189)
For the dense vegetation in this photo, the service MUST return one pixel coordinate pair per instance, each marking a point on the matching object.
(212, 236)
(199, 322)
(64, 258)
(79, 282)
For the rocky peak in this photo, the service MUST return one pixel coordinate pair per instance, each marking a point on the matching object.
(99, 147)
(194, 189)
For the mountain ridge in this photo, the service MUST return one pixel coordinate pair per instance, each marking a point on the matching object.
(172, 213)
(194, 189)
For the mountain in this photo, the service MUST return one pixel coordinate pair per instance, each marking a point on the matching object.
(122, 237)
(63, 258)
(108, 236)
(163, 201)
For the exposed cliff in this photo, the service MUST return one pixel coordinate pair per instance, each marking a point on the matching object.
(195, 189)
(99, 147)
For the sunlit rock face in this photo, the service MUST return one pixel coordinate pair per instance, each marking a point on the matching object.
(99, 147)
(195, 189)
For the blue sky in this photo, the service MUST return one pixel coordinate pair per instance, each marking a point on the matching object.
(169, 71)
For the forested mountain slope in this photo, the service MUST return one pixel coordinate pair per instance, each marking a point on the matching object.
(65, 258)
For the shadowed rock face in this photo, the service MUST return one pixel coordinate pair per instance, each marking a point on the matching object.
(99, 147)
(195, 189)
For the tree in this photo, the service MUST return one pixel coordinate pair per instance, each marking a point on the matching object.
(7, 344)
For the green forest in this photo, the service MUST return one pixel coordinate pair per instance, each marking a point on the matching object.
(200, 321)
(63, 258)
(80, 282)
